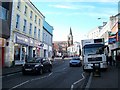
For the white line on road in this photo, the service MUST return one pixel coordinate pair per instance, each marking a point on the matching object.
(19, 85)
(83, 77)
(30, 81)
(89, 82)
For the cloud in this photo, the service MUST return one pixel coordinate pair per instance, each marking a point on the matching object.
(72, 6)
(63, 6)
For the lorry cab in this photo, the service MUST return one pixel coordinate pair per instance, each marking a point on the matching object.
(93, 52)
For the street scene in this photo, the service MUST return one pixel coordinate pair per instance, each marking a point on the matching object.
(59, 44)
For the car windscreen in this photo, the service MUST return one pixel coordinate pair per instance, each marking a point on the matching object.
(34, 60)
(75, 58)
(93, 49)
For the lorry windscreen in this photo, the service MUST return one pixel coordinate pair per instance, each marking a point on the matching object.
(91, 49)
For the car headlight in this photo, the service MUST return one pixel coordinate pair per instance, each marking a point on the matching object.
(37, 65)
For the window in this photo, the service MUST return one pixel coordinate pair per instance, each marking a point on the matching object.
(17, 21)
(24, 26)
(30, 30)
(35, 32)
(44, 37)
(3, 13)
(18, 5)
(31, 13)
(25, 12)
(35, 19)
(39, 34)
(39, 22)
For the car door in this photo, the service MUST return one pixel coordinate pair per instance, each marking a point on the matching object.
(45, 64)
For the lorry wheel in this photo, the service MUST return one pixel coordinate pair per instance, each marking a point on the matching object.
(84, 69)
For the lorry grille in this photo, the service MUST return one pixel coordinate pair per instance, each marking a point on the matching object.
(95, 59)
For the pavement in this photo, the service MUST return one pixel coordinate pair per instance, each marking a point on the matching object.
(108, 79)
(11, 70)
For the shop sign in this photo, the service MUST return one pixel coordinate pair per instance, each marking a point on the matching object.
(22, 39)
(36, 43)
(45, 46)
(112, 40)
(41, 45)
(31, 42)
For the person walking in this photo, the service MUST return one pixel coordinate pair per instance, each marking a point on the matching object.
(106, 53)
(110, 60)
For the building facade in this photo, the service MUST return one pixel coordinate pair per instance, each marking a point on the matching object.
(111, 34)
(5, 23)
(60, 48)
(26, 33)
(74, 50)
(47, 39)
(114, 36)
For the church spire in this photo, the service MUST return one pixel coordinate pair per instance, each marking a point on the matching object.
(70, 31)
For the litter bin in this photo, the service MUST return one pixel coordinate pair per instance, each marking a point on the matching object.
(96, 70)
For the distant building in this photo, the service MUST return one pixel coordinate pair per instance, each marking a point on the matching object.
(74, 50)
(60, 48)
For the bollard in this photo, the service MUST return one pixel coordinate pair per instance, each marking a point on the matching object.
(96, 70)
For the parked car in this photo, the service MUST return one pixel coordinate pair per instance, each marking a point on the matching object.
(37, 65)
(75, 61)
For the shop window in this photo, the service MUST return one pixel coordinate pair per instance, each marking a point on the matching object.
(17, 52)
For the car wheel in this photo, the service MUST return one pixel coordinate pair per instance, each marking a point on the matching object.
(41, 71)
(50, 69)
(70, 65)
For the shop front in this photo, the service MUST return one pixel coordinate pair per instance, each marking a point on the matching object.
(45, 48)
(50, 51)
(21, 47)
(37, 48)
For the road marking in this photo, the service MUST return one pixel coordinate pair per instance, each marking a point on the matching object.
(83, 77)
(89, 82)
(30, 81)
(19, 85)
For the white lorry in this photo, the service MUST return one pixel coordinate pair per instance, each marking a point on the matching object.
(93, 52)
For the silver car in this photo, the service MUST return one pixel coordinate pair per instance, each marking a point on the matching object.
(75, 61)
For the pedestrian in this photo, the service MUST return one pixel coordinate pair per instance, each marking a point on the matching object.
(110, 60)
(118, 60)
(106, 53)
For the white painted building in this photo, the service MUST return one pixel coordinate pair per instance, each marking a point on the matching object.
(74, 50)
(26, 34)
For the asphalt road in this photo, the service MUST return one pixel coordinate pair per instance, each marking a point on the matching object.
(62, 76)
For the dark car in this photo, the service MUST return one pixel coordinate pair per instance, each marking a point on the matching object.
(37, 65)
(75, 61)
